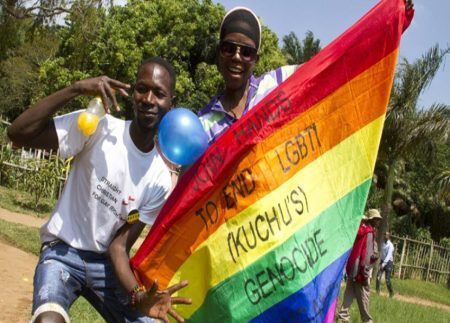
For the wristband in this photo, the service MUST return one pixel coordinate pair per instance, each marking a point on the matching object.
(134, 292)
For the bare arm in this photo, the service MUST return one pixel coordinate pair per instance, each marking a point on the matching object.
(119, 251)
(154, 303)
(35, 127)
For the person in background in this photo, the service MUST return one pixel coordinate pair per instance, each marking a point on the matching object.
(237, 53)
(118, 183)
(359, 263)
(386, 264)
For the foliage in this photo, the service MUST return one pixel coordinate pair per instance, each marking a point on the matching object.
(427, 204)
(114, 42)
(375, 197)
(3, 136)
(445, 242)
(19, 72)
(43, 12)
(125, 35)
(270, 56)
(408, 131)
(12, 33)
(442, 184)
(96, 40)
(44, 177)
(7, 155)
(39, 177)
(298, 52)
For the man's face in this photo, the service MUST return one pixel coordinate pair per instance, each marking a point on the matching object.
(234, 62)
(152, 96)
(375, 222)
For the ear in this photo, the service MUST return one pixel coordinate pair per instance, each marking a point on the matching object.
(173, 100)
(257, 58)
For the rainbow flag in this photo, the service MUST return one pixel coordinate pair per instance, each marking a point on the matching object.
(263, 223)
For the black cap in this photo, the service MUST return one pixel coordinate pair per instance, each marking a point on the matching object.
(241, 20)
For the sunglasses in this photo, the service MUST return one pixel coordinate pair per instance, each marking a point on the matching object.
(229, 49)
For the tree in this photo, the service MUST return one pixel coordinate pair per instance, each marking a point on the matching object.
(45, 12)
(408, 131)
(442, 182)
(298, 52)
(95, 40)
(19, 71)
(121, 37)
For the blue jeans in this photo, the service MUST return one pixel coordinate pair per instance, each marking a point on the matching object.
(65, 273)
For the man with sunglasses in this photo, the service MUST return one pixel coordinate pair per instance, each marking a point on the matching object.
(237, 54)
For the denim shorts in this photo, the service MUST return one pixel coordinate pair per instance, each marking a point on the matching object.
(64, 273)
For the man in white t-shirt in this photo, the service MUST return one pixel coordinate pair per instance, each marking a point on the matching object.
(118, 183)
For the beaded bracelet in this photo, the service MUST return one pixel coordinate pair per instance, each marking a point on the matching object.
(134, 292)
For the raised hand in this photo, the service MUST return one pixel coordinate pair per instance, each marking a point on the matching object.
(105, 87)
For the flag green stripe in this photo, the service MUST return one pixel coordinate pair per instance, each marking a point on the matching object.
(275, 276)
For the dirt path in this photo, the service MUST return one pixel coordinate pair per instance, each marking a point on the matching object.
(420, 301)
(17, 270)
(28, 220)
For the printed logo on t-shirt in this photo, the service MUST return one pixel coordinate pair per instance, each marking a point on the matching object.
(133, 216)
(107, 194)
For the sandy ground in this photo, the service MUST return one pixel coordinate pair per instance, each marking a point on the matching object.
(17, 269)
(16, 273)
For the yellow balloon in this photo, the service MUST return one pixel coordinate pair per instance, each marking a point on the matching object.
(87, 123)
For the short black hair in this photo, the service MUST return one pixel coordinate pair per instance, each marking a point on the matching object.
(167, 66)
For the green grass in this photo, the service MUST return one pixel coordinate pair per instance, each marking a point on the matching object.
(433, 292)
(22, 202)
(387, 310)
(20, 236)
(390, 310)
(81, 312)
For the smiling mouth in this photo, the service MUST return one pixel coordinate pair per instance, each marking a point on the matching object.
(147, 112)
(235, 70)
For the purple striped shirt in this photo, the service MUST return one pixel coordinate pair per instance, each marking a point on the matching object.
(216, 120)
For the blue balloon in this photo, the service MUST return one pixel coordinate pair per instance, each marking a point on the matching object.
(181, 137)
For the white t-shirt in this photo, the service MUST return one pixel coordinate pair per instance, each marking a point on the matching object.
(387, 252)
(109, 178)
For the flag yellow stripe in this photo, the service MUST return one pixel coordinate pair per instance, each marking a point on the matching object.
(323, 182)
